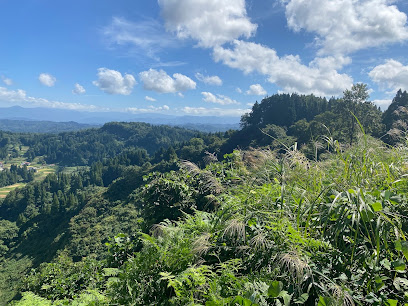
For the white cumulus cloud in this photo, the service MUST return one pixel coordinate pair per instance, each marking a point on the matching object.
(78, 89)
(7, 81)
(7, 95)
(345, 26)
(218, 99)
(112, 82)
(160, 81)
(147, 98)
(319, 77)
(47, 79)
(210, 22)
(256, 90)
(392, 75)
(211, 80)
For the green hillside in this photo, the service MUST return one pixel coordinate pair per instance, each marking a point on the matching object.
(305, 205)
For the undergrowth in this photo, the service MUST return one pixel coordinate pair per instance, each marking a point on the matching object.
(257, 228)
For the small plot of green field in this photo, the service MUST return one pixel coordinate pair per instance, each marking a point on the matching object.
(14, 161)
(39, 176)
(43, 172)
(23, 150)
(18, 159)
(5, 190)
(70, 170)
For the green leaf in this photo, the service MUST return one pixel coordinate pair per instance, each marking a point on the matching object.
(386, 263)
(379, 283)
(243, 301)
(251, 222)
(302, 299)
(325, 301)
(401, 284)
(367, 215)
(399, 265)
(404, 248)
(390, 302)
(286, 297)
(46, 287)
(110, 271)
(274, 289)
(377, 206)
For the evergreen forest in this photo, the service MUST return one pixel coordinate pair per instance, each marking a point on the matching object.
(305, 204)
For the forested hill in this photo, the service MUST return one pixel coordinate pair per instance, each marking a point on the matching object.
(168, 216)
(305, 118)
(87, 146)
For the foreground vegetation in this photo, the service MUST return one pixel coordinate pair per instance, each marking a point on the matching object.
(281, 224)
(255, 229)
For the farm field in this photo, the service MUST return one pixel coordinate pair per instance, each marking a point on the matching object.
(5, 190)
(42, 169)
(39, 176)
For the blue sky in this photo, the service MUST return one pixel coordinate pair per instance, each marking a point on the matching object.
(197, 57)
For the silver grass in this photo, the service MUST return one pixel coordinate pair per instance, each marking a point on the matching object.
(235, 229)
(158, 230)
(202, 244)
(297, 158)
(190, 167)
(256, 157)
(297, 268)
(210, 158)
(259, 242)
(342, 296)
(210, 184)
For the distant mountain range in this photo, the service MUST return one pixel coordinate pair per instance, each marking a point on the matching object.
(25, 126)
(74, 120)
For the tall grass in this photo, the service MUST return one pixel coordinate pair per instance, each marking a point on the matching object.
(285, 230)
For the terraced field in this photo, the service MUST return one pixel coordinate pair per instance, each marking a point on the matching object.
(5, 190)
(40, 175)
(42, 172)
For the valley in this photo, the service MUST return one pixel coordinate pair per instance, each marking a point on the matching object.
(283, 211)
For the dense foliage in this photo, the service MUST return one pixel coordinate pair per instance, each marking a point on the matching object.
(277, 224)
(305, 119)
(88, 146)
(15, 174)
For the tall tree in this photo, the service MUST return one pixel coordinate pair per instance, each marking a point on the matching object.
(352, 100)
